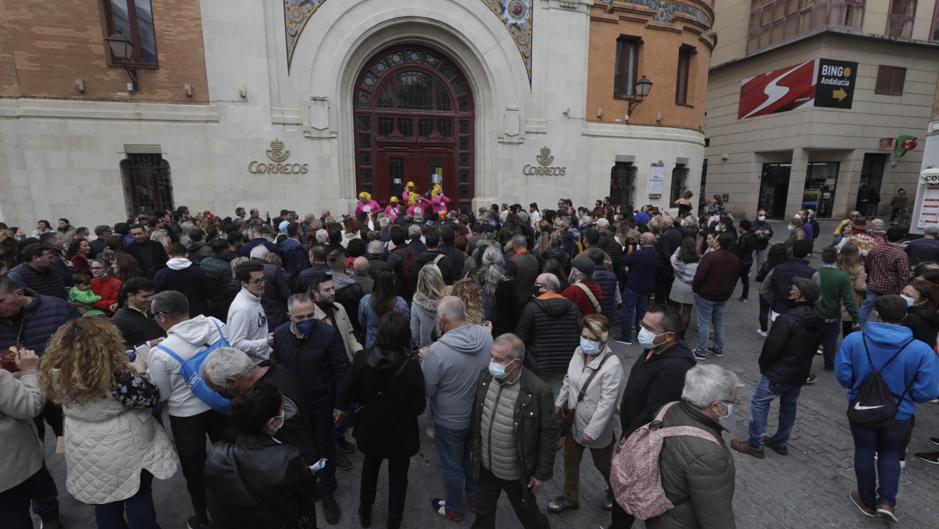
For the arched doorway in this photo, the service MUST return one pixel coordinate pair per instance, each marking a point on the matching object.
(413, 116)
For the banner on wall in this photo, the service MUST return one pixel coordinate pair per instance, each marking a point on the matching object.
(815, 83)
(656, 180)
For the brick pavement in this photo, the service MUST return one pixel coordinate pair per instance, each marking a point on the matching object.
(807, 489)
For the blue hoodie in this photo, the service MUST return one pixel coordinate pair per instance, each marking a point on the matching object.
(917, 366)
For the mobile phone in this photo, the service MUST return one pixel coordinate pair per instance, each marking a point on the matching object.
(131, 355)
(319, 465)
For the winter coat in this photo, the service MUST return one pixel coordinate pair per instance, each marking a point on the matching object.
(389, 388)
(775, 287)
(183, 276)
(594, 414)
(20, 401)
(218, 274)
(318, 360)
(45, 282)
(581, 299)
(610, 288)
(697, 475)
(295, 257)
(150, 255)
(451, 368)
(109, 289)
(916, 367)
(789, 349)
(257, 482)
(43, 316)
(527, 267)
(369, 319)
(923, 325)
(652, 383)
(343, 325)
(107, 444)
(186, 339)
(274, 298)
(536, 428)
(716, 276)
(198, 250)
(642, 265)
(550, 329)
(136, 328)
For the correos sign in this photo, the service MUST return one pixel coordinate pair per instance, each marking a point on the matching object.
(277, 155)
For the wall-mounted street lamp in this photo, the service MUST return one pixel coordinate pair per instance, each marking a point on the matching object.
(642, 89)
(122, 50)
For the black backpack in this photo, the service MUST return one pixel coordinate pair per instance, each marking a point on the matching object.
(874, 405)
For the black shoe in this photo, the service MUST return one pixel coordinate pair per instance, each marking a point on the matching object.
(51, 523)
(928, 457)
(342, 462)
(782, 450)
(934, 440)
(194, 522)
(809, 380)
(365, 515)
(331, 510)
(345, 445)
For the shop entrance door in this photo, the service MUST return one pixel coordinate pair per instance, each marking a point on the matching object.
(774, 187)
(819, 194)
(872, 175)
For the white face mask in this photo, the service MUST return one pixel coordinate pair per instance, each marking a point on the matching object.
(761, 217)
(646, 338)
(727, 414)
(589, 347)
(909, 300)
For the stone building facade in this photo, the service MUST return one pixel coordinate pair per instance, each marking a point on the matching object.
(302, 104)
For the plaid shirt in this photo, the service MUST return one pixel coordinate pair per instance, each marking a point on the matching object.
(888, 269)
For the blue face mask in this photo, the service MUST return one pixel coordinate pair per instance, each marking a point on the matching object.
(305, 326)
(589, 347)
(497, 370)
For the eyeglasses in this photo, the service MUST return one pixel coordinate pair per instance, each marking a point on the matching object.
(256, 281)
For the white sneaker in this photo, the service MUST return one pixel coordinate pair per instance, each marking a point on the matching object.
(902, 464)
(762, 333)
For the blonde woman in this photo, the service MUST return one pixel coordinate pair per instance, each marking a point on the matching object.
(588, 401)
(430, 288)
(467, 290)
(113, 445)
(849, 262)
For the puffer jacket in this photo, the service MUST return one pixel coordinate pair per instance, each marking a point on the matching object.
(549, 328)
(593, 415)
(536, 428)
(20, 401)
(43, 316)
(106, 447)
(697, 475)
(790, 347)
(610, 288)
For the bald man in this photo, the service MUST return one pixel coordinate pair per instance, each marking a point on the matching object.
(360, 271)
(639, 286)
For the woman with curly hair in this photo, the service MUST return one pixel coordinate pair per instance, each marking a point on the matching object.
(113, 445)
(467, 290)
(79, 254)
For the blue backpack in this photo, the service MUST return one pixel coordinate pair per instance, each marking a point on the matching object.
(191, 371)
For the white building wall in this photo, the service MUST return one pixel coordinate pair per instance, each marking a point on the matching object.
(61, 158)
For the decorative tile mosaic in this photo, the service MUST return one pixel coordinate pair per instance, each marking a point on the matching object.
(664, 9)
(516, 16)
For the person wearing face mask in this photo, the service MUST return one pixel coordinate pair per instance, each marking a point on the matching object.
(697, 474)
(312, 349)
(655, 379)
(785, 363)
(513, 435)
(255, 480)
(590, 396)
(104, 285)
(762, 232)
(548, 326)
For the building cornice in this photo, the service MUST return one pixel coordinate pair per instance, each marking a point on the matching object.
(832, 31)
(113, 111)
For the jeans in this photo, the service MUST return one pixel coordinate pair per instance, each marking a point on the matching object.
(745, 278)
(634, 309)
(759, 257)
(14, 503)
(830, 341)
(139, 509)
(189, 434)
(867, 306)
(453, 448)
(885, 442)
(763, 396)
(397, 485)
(764, 314)
(710, 313)
(324, 437)
(523, 503)
(573, 453)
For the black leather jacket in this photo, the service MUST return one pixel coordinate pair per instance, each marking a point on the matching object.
(257, 482)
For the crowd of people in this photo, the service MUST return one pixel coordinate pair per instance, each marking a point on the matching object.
(486, 333)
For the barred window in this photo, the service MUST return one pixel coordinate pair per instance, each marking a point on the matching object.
(147, 183)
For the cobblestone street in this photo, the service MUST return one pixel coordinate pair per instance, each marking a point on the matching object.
(807, 489)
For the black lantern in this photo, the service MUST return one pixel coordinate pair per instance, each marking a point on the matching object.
(122, 50)
(642, 88)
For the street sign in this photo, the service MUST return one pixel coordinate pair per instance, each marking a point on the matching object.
(834, 85)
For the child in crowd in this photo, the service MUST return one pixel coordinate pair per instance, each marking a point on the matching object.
(82, 296)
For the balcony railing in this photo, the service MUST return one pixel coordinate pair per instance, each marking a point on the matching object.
(773, 21)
